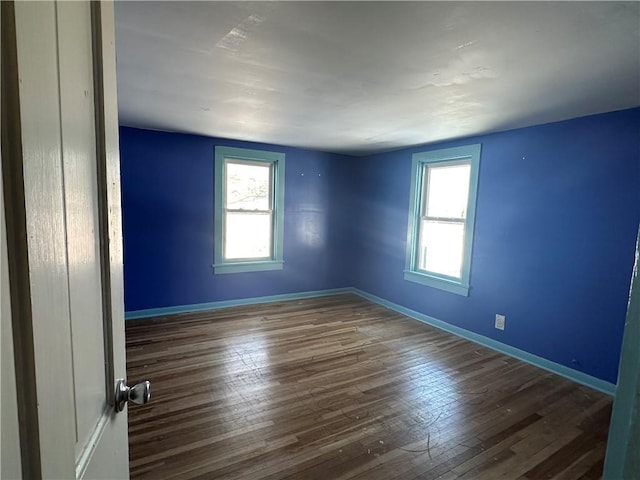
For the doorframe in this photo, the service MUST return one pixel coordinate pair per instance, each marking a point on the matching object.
(623, 459)
(10, 462)
(17, 249)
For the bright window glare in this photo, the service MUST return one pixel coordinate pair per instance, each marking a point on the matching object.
(248, 220)
(247, 235)
(248, 186)
(441, 242)
(441, 247)
(448, 191)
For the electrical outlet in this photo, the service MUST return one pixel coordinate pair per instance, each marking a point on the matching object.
(500, 321)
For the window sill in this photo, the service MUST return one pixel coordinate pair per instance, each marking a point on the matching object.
(244, 267)
(437, 282)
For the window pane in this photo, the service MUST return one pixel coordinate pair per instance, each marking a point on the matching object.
(247, 235)
(441, 247)
(448, 191)
(248, 186)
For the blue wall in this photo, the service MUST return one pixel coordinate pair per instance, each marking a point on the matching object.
(557, 215)
(167, 203)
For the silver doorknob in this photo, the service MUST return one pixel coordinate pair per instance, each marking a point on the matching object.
(140, 394)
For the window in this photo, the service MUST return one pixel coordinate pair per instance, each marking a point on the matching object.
(249, 210)
(441, 218)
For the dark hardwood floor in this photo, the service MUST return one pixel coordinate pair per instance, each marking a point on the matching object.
(341, 388)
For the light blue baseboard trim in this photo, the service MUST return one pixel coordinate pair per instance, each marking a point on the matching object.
(571, 374)
(199, 307)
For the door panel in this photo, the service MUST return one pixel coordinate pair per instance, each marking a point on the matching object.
(69, 155)
(44, 215)
(81, 217)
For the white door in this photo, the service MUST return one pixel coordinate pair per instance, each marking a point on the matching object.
(62, 187)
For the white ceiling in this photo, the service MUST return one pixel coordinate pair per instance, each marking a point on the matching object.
(363, 77)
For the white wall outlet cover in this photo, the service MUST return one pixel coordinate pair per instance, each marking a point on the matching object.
(500, 319)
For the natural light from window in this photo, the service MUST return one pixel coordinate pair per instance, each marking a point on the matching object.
(445, 196)
(248, 210)
(442, 210)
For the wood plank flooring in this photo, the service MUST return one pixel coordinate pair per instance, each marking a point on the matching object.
(341, 388)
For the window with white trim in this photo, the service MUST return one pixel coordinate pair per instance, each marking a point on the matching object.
(249, 210)
(441, 218)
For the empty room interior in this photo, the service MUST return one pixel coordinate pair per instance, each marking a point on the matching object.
(377, 240)
(369, 240)
(340, 240)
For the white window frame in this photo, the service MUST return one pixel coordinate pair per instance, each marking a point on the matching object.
(421, 161)
(276, 162)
